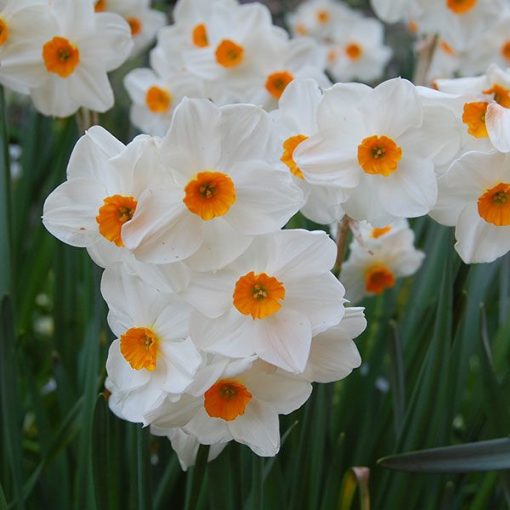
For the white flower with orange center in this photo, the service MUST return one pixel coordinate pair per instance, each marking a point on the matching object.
(143, 21)
(358, 51)
(218, 189)
(458, 22)
(378, 257)
(333, 354)
(152, 355)
(237, 400)
(475, 198)
(375, 144)
(270, 301)
(65, 64)
(293, 123)
(105, 180)
(155, 98)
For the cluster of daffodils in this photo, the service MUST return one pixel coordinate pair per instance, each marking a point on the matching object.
(378, 256)
(471, 33)
(354, 43)
(60, 52)
(222, 319)
(220, 50)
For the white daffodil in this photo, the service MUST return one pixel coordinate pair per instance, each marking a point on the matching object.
(358, 51)
(320, 19)
(293, 122)
(375, 144)
(155, 98)
(152, 355)
(65, 62)
(375, 264)
(333, 354)
(457, 21)
(143, 21)
(217, 189)
(270, 301)
(237, 401)
(475, 198)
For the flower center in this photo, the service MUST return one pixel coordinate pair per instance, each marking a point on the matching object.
(379, 155)
(227, 399)
(115, 211)
(494, 205)
(258, 295)
(4, 31)
(380, 231)
(501, 95)
(229, 54)
(474, 118)
(135, 25)
(460, 6)
(199, 36)
(505, 50)
(210, 194)
(446, 48)
(301, 29)
(354, 51)
(323, 16)
(158, 100)
(289, 146)
(140, 348)
(377, 278)
(277, 82)
(100, 6)
(60, 56)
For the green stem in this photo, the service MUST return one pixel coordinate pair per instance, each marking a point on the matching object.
(196, 478)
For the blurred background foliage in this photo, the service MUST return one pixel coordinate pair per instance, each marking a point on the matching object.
(435, 370)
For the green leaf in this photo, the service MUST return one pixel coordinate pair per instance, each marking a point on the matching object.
(489, 455)
(355, 479)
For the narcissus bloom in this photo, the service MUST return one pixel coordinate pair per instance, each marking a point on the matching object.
(240, 402)
(374, 266)
(375, 144)
(475, 198)
(333, 354)
(270, 301)
(217, 188)
(152, 355)
(155, 98)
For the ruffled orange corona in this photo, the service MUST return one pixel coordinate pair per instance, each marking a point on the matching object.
(258, 295)
(501, 95)
(135, 25)
(380, 231)
(229, 54)
(379, 155)
(199, 36)
(140, 348)
(115, 211)
(210, 194)
(227, 399)
(353, 51)
(494, 205)
(100, 6)
(474, 118)
(60, 56)
(289, 146)
(4, 31)
(277, 82)
(378, 278)
(158, 100)
(460, 6)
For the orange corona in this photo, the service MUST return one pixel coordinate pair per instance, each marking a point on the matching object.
(460, 6)
(209, 195)
(380, 231)
(115, 211)
(378, 278)
(258, 295)
(277, 82)
(353, 51)
(229, 54)
(494, 205)
(474, 118)
(158, 100)
(135, 25)
(199, 36)
(140, 348)
(501, 94)
(379, 155)
(60, 56)
(289, 146)
(4, 31)
(227, 399)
